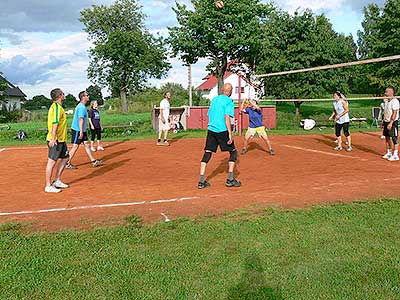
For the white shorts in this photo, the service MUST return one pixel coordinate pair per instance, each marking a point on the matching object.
(163, 126)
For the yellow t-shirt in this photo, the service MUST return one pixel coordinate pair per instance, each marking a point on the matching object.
(57, 115)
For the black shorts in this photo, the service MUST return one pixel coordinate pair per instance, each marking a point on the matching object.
(96, 132)
(393, 132)
(338, 129)
(75, 137)
(218, 139)
(60, 150)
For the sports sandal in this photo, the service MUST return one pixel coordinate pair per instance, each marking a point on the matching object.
(232, 183)
(203, 185)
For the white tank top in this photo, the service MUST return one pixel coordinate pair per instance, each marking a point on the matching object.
(338, 105)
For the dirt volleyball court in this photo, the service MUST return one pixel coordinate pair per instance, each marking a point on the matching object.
(157, 182)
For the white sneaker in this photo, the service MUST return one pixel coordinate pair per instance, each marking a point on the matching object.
(59, 184)
(382, 137)
(93, 149)
(100, 148)
(387, 156)
(393, 158)
(51, 189)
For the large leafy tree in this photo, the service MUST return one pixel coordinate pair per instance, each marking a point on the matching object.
(125, 55)
(219, 34)
(380, 37)
(304, 40)
(95, 94)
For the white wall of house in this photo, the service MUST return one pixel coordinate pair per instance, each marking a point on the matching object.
(247, 90)
(11, 103)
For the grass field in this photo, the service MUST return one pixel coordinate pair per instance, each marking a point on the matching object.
(342, 251)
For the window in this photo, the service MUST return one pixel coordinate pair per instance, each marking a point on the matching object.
(237, 90)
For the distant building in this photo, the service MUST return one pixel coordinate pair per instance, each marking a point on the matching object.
(209, 88)
(13, 96)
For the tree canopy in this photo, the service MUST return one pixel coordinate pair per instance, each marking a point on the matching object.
(304, 40)
(125, 55)
(95, 94)
(380, 37)
(219, 34)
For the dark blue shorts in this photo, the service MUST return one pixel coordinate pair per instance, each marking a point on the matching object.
(75, 137)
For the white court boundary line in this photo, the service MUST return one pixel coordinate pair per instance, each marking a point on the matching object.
(326, 153)
(63, 209)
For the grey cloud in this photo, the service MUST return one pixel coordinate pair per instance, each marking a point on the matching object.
(13, 38)
(358, 5)
(20, 70)
(43, 15)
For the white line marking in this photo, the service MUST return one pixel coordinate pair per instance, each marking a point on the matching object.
(2, 149)
(62, 209)
(327, 153)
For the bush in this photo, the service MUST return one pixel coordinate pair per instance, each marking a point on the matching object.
(9, 116)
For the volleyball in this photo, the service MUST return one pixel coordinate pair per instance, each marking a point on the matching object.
(219, 4)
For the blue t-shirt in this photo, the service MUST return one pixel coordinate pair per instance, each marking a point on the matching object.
(220, 106)
(255, 117)
(80, 112)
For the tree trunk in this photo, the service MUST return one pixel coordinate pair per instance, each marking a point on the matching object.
(124, 101)
(221, 69)
(297, 105)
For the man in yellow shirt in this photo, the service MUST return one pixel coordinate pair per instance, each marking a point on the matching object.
(56, 142)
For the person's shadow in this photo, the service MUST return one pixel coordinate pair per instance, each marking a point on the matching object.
(253, 284)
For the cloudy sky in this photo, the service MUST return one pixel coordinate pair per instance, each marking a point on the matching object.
(42, 44)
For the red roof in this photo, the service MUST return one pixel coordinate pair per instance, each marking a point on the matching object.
(211, 81)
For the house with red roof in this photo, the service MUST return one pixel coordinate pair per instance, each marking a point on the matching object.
(209, 88)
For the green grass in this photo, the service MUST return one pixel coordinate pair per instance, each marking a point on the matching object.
(343, 251)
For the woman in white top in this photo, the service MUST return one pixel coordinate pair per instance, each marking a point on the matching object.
(342, 120)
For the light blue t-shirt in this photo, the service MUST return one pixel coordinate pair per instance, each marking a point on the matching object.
(220, 106)
(80, 112)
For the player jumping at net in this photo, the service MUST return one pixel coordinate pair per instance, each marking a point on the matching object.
(220, 134)
(342, 120)
(256, 125)
(390, 125)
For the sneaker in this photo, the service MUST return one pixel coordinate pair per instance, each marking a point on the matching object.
(271, 151)
(387, 156)
(51, 189)
(59, 184)
(244, 151)
(338, 148)
(393, 158)
(93, 149)
(382, 137)
(166, 143)
(203, 185)
(100, 148)
(97, 163)
(349, 149)
(71, 166)
(232, 183)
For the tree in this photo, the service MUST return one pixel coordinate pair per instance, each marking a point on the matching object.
(70, 101)
(3, 87)
(304, 40)
(379, 38)
(125, 55)
(221, 35)
(38, 102)
(95, 94)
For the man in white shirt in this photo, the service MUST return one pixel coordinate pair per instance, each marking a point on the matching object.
(390, 125)
(163, 120)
